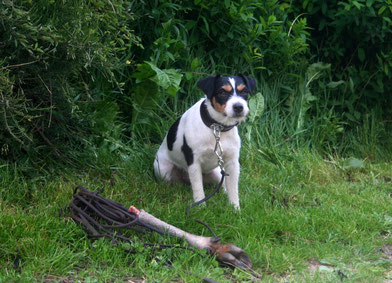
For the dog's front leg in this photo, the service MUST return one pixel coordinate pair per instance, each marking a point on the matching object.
(233, 170)
(196, 179)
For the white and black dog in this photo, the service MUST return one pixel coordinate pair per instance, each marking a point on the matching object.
(187, 152)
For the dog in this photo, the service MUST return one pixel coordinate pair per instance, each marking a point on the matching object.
(187, 152)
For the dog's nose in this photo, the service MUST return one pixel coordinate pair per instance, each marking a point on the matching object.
(238, 108)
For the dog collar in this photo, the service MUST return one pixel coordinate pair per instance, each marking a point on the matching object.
(209, 121)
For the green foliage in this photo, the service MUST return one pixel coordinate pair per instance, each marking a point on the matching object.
(249, 35)
(98, 83)
(59, 61)
(151, 83)
(167, 79)
(256, 34)
(304, 103)
(354, 37)
(200, 38)
(308, 209)
(79, 80)
(353, 163)
(256, 108)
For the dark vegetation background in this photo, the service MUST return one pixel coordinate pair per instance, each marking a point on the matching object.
(85, 83)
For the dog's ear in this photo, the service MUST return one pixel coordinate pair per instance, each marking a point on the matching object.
(250, 82)
(207, 85)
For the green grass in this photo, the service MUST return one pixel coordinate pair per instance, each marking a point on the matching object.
(304, 218)
(306, 215)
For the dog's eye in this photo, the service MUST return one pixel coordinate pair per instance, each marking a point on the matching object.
(222, 92)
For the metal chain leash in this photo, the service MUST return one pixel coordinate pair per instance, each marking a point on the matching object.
(217, 130)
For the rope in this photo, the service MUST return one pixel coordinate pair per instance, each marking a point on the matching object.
(103, 217)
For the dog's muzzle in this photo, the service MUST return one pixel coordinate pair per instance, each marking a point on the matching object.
(238, 109)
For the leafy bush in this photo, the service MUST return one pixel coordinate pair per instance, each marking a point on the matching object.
(200, 38)
(354, 37)
(76, 76)
(224, 36)
(59, 63)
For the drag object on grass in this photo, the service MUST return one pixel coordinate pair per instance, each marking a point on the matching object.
(102, 217)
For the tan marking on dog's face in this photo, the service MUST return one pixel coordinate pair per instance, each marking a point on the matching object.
(219, 107)
(227, 88)
(240, 87)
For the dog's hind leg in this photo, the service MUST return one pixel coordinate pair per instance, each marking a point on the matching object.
(168, 172)
(163, 169)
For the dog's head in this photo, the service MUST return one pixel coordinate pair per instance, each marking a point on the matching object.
(229, 95)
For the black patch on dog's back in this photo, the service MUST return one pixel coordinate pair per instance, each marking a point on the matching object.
(172, 134)
(188, 153)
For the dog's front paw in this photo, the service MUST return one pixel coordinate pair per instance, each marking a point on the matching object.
(198, 196)
(235, 202)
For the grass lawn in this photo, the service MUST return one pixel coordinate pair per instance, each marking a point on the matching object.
(304, 218)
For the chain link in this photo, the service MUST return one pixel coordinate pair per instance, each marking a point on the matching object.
(217, 130)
